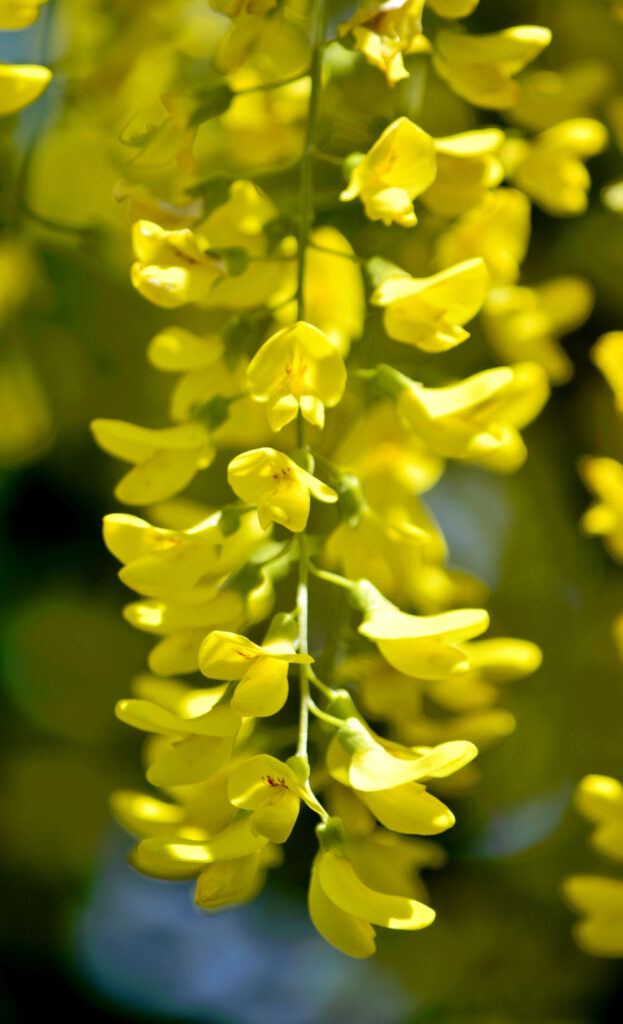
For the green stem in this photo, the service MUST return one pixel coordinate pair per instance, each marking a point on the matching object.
(330, 577)
(306, 203)
(302, 602)
(345, 255)
(324, 716)
(267, 86)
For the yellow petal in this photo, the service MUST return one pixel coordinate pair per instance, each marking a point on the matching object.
(21, 85)
(409, 809)
(348, 933)
(263, 690)
(340, 883)
(191, 759)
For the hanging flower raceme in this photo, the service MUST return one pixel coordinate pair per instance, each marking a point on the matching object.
(400, 166)
(279, 299)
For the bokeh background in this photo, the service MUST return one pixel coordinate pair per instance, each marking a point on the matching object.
(81, 932)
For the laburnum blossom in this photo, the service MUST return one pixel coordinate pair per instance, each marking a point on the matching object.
(481, 68)
(262, 670)
(468, 165)
(478, 418)
(21, 85)
(272, 792)
(599, 899)
(607, 355)
(278, 487)
(550, 168)
(526, 322)
(386, 33)
(343, 908)
(430, 312)
(427, 646)
(297, 369)
(172, 268)
(400, 166)
(247, 17)
(548, 96)
(497, 230)
(15, 14)
(164, 460)
(604, 518)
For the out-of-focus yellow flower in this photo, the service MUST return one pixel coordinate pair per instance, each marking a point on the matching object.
(429, 312)
(19, 13)
(497, 230)
(467, 167)
(162, 563)
(550, 168)
(335, 300)
(600, 799)
(244, 34)
(400, 166)
(385, 33)
(343, 908)
(525, 323)
(481, 68)
(604, 518)
(262, 671)
(452, 8)
(142, 204)
(240, 222)
(548, 97)
(607, 355)
(426, 646)
(266, 127)
(174, 137)
(600, 901)
(165, 460)
(272, 792)
(280, 489)
(172, 267)
(297, 369)
(21, 85)
(27, 423)
(478, 418)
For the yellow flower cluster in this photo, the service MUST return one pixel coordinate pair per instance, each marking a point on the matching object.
(276, 401)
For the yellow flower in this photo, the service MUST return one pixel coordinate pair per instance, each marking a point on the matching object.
(467, 167)
(197, 727)
(335, 299)
(297, 369)
(478, 418)
(526, 322)
(272, 792)
(426, 646)
(343, 908)
(607, 355)
(21, 85)
(600, 901)
(600, 799)
(429, 312)
(481, 68)
(400, 166)
(604, 518)
(172, 267)
(165, 460)
(262, 671)
(497, 230)
(548, 97)
(549, 168)
(164, 563)
(452, 8)
(280, 489)
(385, 33)
(232, 882)
(19, 13)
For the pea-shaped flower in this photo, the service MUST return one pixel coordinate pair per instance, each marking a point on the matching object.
(600, 799)
(172, 267)
(277, 486)
(550, 168)
(604, 518)
(498, 230)
(21, 85)
(385, 33)
(19, 13)
(481, 68)
(262, 671)
(467, 166)
(272, 792)
(164, 460)
(343, 908)
(400, 166)
(600, 902)
(297, 368)
(429, 312)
